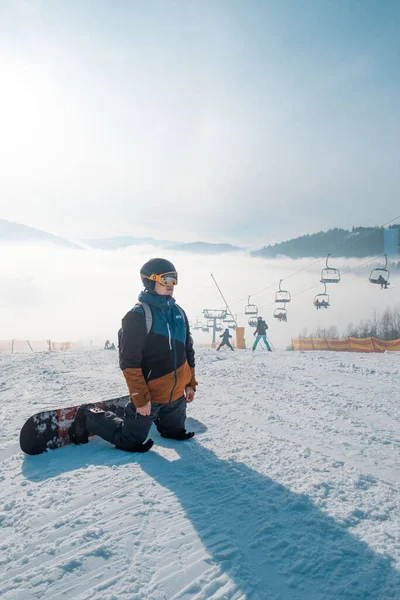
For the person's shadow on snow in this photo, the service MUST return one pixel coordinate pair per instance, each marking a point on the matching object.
(270, 541)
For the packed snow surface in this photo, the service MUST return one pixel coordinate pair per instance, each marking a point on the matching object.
(289, 490)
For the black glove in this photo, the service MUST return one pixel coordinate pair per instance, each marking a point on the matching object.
(139, 447)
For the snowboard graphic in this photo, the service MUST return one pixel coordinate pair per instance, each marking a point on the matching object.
(48, 430)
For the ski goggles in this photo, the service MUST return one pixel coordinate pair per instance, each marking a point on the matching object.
(165, 279)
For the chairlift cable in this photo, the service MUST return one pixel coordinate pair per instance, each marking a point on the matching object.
(223, 298)
(362, 264)
(278, 280)
(317, 284)
(366, 234)
(314, 263)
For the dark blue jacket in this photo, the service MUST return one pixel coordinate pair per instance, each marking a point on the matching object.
(261, 328)
(159, 365)
(225, 336)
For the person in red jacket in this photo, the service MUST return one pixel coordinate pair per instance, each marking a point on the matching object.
(156, 356)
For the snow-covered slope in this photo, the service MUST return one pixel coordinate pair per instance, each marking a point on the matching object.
(290, 489)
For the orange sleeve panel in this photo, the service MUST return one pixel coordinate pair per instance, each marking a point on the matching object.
(138, 390)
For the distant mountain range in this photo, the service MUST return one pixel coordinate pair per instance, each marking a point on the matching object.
(205, 248)
(359, 242)
(16, 233)
(115, 243)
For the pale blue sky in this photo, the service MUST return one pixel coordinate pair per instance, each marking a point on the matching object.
(247, 122)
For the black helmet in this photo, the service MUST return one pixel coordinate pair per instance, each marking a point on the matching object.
(155, 266)
(259, 319)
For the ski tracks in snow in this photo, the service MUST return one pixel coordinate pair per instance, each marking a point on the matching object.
(288, 491)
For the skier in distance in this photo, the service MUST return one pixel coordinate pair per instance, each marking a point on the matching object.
(225, 340)
(261, 333)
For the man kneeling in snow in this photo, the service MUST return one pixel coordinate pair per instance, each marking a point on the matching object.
(156, 356)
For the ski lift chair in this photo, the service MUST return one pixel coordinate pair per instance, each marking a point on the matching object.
(251, 309)
(282, 295)
(381, 275)
(205, 329)
(322, 300)
(329, 274)
(280, 314)
(253, 322)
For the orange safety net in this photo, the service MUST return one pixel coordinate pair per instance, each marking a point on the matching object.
(205, 346)
(350, 344)
(19, 346)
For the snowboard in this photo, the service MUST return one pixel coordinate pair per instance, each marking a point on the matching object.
(48, 430)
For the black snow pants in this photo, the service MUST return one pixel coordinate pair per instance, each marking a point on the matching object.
(133, 429)
(225, 343)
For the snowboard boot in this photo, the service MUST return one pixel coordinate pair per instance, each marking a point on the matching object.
(78, 432)
(182, 435)
(138, 448)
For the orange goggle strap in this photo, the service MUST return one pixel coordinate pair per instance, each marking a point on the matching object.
(157, 278)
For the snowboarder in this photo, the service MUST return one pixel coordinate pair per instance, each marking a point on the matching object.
(225, 340)
(156, 356)
(261, 333)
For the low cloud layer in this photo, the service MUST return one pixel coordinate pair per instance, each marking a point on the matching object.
(51, 293)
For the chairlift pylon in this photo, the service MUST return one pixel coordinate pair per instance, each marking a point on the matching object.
(329, 274)
(381, 275)
(322, 300)
(197, 325)
(282, 295)
(251, 309)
